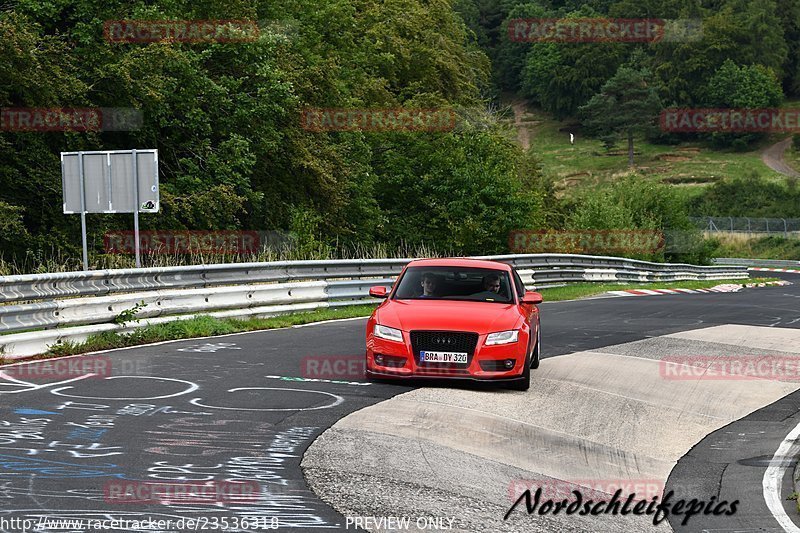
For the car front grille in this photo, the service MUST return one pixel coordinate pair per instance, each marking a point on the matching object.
(443, 341)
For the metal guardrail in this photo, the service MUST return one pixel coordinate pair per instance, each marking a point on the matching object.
(106, 282)
(64, 304)
(33, 287)
(770, 263)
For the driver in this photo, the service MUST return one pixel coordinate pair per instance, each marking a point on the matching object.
(490, 283)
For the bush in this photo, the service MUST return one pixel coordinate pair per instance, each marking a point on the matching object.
(752, 196)
(307, 242)
(636, 204)
(464, 191)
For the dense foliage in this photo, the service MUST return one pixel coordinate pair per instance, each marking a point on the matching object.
(226, 116)
(740, 53)
(750, 197)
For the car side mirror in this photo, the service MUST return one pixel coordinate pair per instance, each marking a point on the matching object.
(532, 298)
(378, 292)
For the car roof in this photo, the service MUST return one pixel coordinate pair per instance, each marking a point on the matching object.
(459, 262)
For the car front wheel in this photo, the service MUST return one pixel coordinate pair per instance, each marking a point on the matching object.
(537, 350)
(524, 381)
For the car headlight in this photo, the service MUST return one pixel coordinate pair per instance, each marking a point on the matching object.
(385, 332)
(502, 337)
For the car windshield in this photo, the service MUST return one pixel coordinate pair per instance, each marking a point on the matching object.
(455, 283)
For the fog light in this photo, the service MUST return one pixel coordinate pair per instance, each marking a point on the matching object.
(378, 359)
(509, 363)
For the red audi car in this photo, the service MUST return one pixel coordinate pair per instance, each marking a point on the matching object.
(455, 318)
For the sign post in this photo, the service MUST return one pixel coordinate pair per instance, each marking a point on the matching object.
(83, 214)
(136, 211)
(116, 181)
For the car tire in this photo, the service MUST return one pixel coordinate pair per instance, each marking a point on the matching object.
(524, 382)
(536, 359)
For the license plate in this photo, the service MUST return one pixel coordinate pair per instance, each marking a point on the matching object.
(443, 357)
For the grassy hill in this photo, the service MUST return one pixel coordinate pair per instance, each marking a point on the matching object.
(690, 168)
(587, 163)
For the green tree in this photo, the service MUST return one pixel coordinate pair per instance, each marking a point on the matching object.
(226, 117)
(561, 77)
(464, 191)
(747, 32)
(789, 12)
(733, 86)
(753, 86)
(627, 104)
(12, 229)
(510, 54)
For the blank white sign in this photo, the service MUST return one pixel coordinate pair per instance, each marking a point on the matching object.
(109, 185)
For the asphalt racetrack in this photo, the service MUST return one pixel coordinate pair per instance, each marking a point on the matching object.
(338, 453)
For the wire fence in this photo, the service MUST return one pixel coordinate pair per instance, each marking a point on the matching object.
(788, 227)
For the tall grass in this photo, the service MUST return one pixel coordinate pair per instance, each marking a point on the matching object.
(756, 246)
(59, 261)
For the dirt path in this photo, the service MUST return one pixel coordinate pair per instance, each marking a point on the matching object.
(523, 135)
(773, 158)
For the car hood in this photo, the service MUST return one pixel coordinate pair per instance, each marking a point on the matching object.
(449, 315)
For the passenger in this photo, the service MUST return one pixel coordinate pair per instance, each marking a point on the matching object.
(491, 282)
(429, 284)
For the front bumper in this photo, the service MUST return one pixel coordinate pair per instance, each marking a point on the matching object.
(399, 361)
(390, 376)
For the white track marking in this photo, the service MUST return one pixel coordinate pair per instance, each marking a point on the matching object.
(192, 387)
(337, 401)
(35, 386)
(774, 476)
